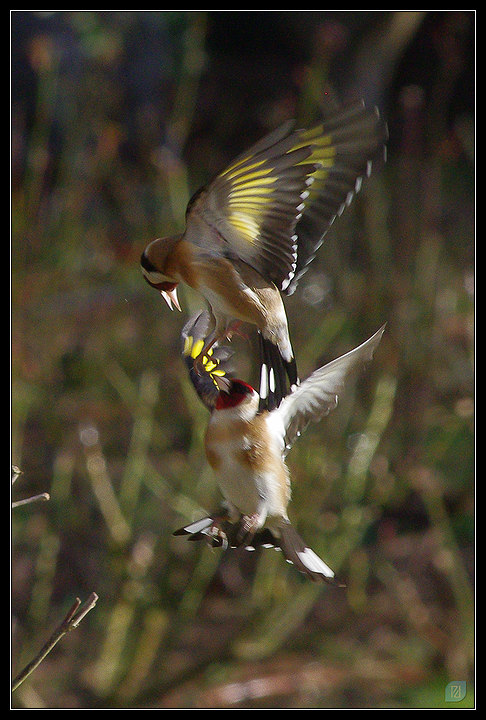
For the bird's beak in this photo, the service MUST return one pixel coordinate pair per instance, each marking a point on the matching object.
(170, 297)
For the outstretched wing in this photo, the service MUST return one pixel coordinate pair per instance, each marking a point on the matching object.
(316, 396)
(214, 368)
(273, 205)
(346, 145)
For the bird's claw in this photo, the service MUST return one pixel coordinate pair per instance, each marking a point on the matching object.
(248, 526)
(235, 329)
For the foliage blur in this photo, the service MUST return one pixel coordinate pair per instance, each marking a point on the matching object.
(117, 117)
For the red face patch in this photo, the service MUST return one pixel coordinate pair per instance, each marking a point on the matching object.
(238, 392)
(166, 285)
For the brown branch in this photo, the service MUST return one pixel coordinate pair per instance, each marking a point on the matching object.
(16, 473)
(34, 498)
(76, 613)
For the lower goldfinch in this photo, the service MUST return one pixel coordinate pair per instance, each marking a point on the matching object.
(246, 448)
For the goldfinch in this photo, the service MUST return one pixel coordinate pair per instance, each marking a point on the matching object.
(251, 232)
(247, 448)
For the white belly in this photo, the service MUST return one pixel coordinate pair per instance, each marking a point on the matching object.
(240, 487)
(253, 479)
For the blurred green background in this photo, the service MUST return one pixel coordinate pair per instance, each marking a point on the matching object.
(116, 119)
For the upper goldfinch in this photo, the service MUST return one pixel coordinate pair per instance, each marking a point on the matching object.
(252, 231)
(247, 448)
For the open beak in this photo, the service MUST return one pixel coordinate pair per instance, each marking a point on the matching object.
(170, 297)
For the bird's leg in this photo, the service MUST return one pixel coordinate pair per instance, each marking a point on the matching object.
(234, 328)
(248, 526)
(224, 526)
(216, 533)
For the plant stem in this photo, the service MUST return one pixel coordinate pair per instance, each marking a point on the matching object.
(76, 613)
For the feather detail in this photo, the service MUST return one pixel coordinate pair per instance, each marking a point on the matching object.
(272, 206)
(214, 371)
(303, 557)
(316, 396)
(220, 531)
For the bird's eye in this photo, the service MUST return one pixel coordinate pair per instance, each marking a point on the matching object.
(154, 278)
(147, 264)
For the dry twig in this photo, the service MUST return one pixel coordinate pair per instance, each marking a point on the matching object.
(76, 613)
(16, 472)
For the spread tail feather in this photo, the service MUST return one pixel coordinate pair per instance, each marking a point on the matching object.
(303, 557)
(219, 531)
